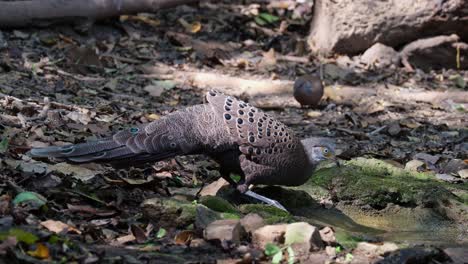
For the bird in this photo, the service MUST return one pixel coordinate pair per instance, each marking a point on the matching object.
(308, 90)
(243, 139)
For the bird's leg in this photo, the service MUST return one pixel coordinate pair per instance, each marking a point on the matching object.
(265, 199)
(243, 188)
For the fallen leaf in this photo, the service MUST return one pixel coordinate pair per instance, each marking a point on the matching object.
(59, 227)
(20, 235)
(31, 199)
(195, 27)
(41, 251)
(77, 172)
(184, 237)
(125, 239)
(161, 233)
(83, 117)
(153, 117)
(139, 234)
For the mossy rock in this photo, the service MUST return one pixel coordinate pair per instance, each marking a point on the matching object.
(169, 212)
(377, 183)
(270, 214)
(218, 204)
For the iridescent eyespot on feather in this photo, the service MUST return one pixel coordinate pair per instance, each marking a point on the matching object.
(134, 130)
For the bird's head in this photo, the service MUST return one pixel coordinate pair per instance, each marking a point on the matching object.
(319, 149)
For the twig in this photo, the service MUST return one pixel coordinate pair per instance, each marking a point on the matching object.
(376, 131)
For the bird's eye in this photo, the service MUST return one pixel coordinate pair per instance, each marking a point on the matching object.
(326, 152)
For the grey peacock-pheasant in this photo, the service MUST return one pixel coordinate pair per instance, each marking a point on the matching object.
(241, 138)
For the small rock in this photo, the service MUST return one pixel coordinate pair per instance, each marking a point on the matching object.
(205, 216)
(463, 174)
(394, 129)
(200, 244)
(447, 178)
(303, 237)
(229, 230)
(213, 188)
(370, 249)
(334, 72)
(415, 165)
(318, 257)
(429, 159)
(252, 222)
(416, 255)
(454, 165)
(268, 234)
(380, 56)
(331, 251)
(458, 255)
(328, 235)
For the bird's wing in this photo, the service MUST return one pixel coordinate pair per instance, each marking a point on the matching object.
(260, 137)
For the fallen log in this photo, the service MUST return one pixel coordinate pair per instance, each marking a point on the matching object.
(45, 12)
(278, 93)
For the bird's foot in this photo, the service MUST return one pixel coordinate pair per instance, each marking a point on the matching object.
(265, 200)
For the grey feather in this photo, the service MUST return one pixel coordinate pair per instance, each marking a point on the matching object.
(242, 138)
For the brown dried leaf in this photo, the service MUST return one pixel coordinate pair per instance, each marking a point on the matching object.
(184, 237)
(59, 227)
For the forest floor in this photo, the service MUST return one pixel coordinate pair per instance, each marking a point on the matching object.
(68, 84)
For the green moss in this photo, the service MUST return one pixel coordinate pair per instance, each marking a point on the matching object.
(377, 183)
(270, 214)
(170, 210)
(218, 204)
(346, 239)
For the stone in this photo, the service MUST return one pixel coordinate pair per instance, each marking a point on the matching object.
(370, 249)
(327, 235)
(394, 129)
(416, 255)
(380, 56)
(415, 165)
(228, 230)
(213, 188)
(427, 158)
(317, 257)
(447, 177)
(463, 174)
(303, 237)
(454, 165)
(331, 251)
(169, 212)
(252, 222)
(205, 216)
(457, 255)
(268, 234)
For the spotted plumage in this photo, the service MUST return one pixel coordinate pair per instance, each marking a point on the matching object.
(242, 138)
